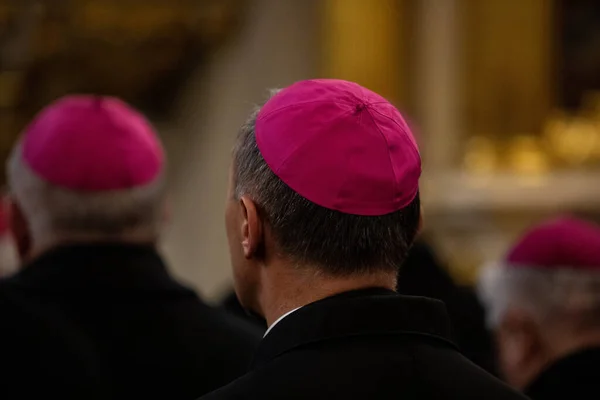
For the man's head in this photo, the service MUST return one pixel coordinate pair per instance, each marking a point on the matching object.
(324, 179)
(543, 301)
(86, 169)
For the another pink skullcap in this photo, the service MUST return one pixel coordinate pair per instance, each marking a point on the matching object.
(92, 144)
(560, 243)
(341, 146)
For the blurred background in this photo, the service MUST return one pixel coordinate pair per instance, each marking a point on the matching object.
(504, 96)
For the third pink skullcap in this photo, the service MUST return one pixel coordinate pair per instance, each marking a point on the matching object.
(92, 144)
(341, 146)
(560, 243)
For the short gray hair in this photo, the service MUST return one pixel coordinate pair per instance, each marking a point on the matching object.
(333, 242)
(548, 295)
(53, 211)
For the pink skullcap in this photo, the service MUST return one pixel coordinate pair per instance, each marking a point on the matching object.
(341, 146)
(92, 144)
(560, 243)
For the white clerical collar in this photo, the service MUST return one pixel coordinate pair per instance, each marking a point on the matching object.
(279, 320)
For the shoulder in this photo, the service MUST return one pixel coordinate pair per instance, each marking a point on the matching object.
(321, 372)
(434, 373)
(254, 385)
(445, 370)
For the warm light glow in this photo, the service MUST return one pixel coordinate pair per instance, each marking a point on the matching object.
(573, 140)
(480, 156)
(362, 42)
(526, 156)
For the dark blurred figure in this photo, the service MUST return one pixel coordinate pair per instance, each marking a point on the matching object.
(543, 302)
(94, 312)
(231, 304)
(422, 274)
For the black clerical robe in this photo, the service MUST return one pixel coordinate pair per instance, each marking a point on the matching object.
(575, 376)
(108, 322)
(367, 344)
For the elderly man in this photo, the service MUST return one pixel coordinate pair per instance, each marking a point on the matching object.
(543, 303)
(323, 207)
(94, 311)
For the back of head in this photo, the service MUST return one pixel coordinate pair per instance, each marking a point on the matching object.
(553, 270)
(86, 168)
(333, 171)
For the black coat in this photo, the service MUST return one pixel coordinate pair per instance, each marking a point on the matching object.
(370, 344)
(576, 376)
(422, 274)
(108, 322)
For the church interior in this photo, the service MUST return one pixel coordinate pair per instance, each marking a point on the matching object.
(504, 99)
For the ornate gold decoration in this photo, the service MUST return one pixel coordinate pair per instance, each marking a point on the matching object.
(140, 50)
(572, 140)
(569, 140)
(507, 73)
(481, 155)
(364, 41)
(10, 83)
(526, 156)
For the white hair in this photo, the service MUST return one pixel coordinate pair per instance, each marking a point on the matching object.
(55, 212)
(546, 294)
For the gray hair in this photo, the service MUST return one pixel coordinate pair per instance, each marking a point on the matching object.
(55, 212)
(333, 242)
(547, 295)
(247, 157)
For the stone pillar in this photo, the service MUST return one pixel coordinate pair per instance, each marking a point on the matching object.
(437, 88)
(363, 41)
(276, 47)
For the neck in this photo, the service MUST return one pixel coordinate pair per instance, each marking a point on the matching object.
(569, 344)
(560, 345)
(284, 289)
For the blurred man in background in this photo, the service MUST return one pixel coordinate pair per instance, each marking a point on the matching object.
(323, 208)
(94, 303)
(544, 304)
